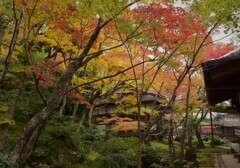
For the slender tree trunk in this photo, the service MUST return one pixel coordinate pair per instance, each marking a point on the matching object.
(183, 137)
(91, 101)
(170, 143)
(11, 47)
(139, 151)
(61, 111)
(90, 116)
(140, 135)
(196, 129)
(32, 146)
(83, 116)
(190, 137)
(40, 93)
(212, 143)
(74, 113)
(199, 138)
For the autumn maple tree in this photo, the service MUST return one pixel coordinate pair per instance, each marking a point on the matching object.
(42, 23)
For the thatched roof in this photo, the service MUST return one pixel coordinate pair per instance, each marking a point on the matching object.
(222, 77)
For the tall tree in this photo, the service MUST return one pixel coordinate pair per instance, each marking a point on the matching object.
(93, 18)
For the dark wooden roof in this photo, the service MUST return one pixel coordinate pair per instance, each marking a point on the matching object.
(222, 77)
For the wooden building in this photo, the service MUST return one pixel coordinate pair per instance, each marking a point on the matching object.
(123, 103)
(222, 79)
(222, 82)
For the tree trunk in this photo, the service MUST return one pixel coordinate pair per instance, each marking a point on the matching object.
(170, 143)
(199, 138)
(42, 116)
(57, 95)
(11, 48)
(212, 143)
(32, 145)
(83, 116)
(61, 111)
(90, 116)
(183, 137)
(139, 152)
(74, 113)
(190, 137)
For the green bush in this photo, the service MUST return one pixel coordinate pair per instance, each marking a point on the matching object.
(155, 156)
(6, 161)
(60, 138)
(115, 160)
(194, 141)
(120, 145)
(190, 154)
(114, 152)
(217, 140)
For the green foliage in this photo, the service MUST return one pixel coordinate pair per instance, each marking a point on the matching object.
(190, 154)
(217, 140)
(156, 144)
(155, 156)
(194, 141)
(206, 156)
(115, 152)
(121, 145)
(224, 12)
(89, 135)
(115, 160)
(60, 138)
(41, 151)
(7, 122)
(6, 161)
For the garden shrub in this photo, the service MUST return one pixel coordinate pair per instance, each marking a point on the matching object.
(195, 141)
(114, 152)
(60, 138)
(6, 161)
(151, 157)
(190, 154)
(217, 140)
(121, 145)
(115, 160)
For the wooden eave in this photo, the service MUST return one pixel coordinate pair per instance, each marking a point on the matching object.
(222, 77)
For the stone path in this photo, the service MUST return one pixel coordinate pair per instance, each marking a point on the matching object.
(230, 161)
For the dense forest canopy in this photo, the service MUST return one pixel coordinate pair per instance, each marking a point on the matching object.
(58, 57)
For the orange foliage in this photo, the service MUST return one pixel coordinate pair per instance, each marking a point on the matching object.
(123, 124)
(115, 120)
(131, 126)
(44, 71)
(78, 99)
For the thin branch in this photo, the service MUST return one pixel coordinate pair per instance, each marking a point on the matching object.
(218, 39)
